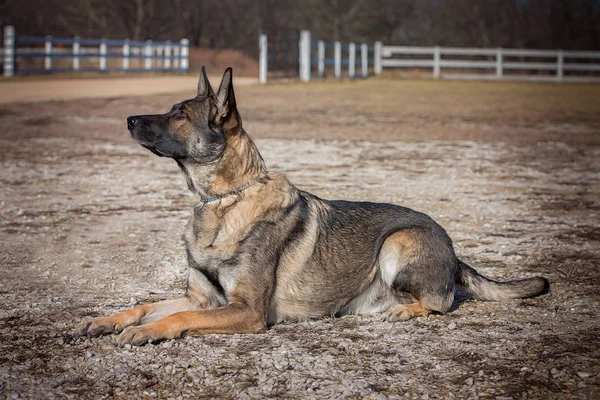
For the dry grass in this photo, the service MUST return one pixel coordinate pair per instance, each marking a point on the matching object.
(383, 109)
(376, 109)
(439, 98)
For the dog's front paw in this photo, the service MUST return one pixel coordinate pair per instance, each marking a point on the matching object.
(98, 326)
(141, 335)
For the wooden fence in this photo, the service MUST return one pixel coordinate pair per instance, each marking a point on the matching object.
(32, 55)
(496, 64)
(443, 62)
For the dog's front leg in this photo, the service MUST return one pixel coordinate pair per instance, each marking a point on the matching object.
(234, 318)
(116, 323)
(200, 294)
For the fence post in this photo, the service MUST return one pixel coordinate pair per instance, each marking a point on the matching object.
(321, 58)
(436, 62)
(48, 53)
(185, 53)
(126, 50)
(103, 55)
(9, 51)
(337, 59)
(167, 55)
(262, 58)
(304, 56)
(159, 52)
(560, 59)
(351, 59)
(364, 59)
(176, 56)
(76, 51)
(499, 61)
(148, 54)
(377, 58)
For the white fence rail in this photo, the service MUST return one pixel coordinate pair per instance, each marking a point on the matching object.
(443, 62)
(496, 64)
(32, 55)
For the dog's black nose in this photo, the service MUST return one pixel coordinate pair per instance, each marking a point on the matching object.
(131, 122)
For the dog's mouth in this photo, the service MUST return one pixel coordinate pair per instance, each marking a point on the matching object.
(149, 146)
(153, 149)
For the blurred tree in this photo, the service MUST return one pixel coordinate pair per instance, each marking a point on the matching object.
(567, 24)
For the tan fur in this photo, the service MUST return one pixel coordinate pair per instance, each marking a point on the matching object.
(241, 162)
(226, 222)
(116, 323)
(234, 318)
(404, 312)
(405, 243)
(397, 251)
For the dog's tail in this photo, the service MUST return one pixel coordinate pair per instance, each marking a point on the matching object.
(483, 288)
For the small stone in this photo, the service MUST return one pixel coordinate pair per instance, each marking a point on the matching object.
(452, 326)
(89, 354)
(168, 344)
(469, 382)
(480, 373)
(60, 341)
(583, 375)
(243, 395)
(127, 346)
(554, 371)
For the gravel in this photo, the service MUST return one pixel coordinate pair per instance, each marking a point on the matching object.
(92, 227)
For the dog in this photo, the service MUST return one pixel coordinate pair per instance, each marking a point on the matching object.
(261, 251)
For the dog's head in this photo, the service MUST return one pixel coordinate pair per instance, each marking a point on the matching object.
(194, 130)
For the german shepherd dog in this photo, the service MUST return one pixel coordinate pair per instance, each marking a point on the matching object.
(261, 251)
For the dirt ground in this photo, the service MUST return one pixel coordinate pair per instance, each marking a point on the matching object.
(90, 225)
(97, 86)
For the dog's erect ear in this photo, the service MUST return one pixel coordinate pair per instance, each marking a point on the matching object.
(204, 88)
(226, 100)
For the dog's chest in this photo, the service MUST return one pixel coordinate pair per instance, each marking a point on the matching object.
(212, 244)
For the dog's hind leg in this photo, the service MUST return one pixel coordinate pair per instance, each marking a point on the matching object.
(404, 312)
(419, 265)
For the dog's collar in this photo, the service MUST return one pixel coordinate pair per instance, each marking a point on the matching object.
(210, 199)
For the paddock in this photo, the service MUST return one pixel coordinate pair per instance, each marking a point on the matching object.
(91, 225)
